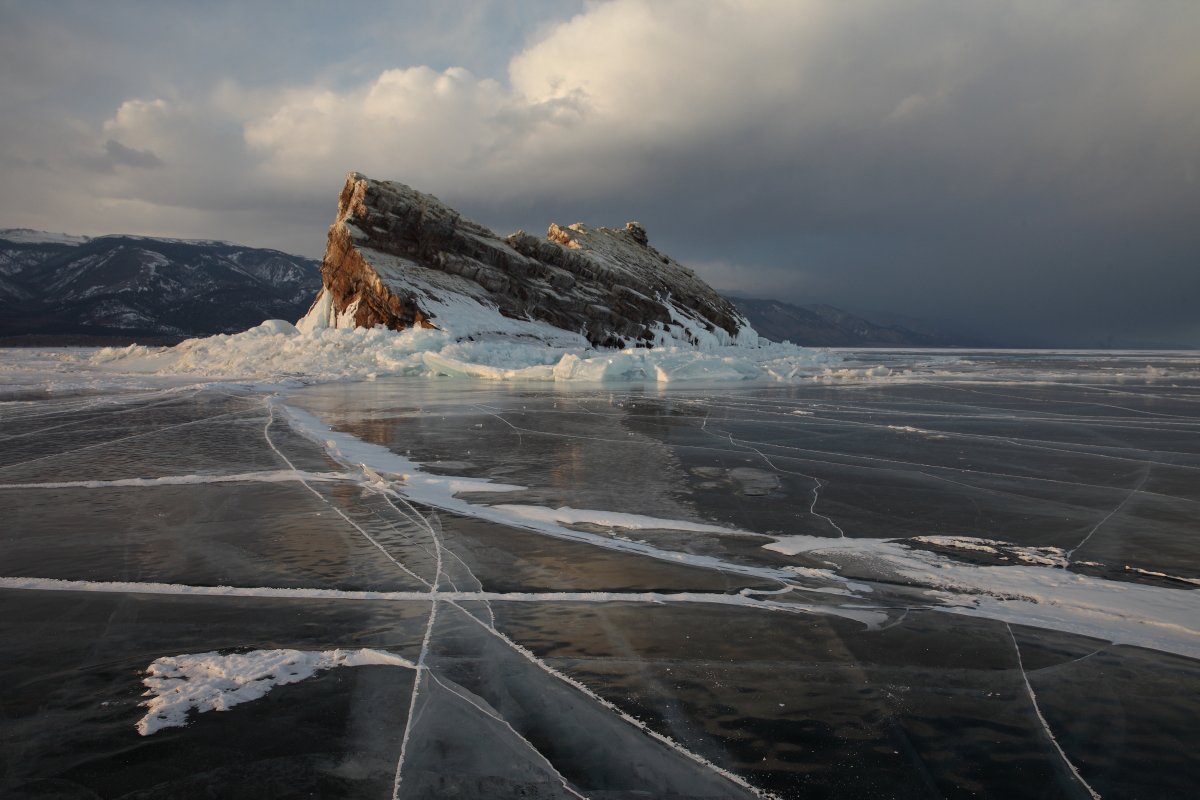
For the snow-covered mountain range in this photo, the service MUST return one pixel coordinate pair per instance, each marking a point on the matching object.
(141, 287)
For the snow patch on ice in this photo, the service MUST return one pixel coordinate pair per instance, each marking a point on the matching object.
(382, 466)
(216, 682)
(404, 477)
(918, 431)
(827, 575)
(1152, 574)
(1042, 595)
(1041, 556)
(607, 519)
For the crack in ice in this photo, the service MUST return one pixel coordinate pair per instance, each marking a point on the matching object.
(1145, 477)
(562, 779)
(625, 716)
(1045, 725)
(323, 499)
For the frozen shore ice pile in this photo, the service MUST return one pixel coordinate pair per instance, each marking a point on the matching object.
(510, 350)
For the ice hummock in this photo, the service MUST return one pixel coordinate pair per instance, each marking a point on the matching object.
(478, 342)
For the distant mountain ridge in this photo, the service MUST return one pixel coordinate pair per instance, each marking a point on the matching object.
(140, 287)
(821, 325)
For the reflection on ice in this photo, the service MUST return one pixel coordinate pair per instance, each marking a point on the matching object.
(921, 577)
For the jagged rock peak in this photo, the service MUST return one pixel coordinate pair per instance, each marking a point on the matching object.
(637, 232)
(401, 258)
(576, 236)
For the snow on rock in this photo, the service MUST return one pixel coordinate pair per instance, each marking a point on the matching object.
(216, 682)
(401, 258)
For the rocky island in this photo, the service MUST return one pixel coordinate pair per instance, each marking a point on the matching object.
(401, 258)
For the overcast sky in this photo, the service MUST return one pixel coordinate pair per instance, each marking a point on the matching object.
(1028, 172)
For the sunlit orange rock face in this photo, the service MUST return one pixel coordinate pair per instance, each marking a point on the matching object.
(352, 281)
(396, 255)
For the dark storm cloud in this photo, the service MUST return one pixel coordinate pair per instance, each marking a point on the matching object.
(115, 155)
(120, 155)
(1024, 172)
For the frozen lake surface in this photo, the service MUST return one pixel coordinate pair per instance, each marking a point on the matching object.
(960, 575)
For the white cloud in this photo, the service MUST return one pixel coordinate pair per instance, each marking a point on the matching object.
(606, 97)
(412, 121)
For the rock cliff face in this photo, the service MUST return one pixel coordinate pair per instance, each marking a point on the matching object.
(400, 258)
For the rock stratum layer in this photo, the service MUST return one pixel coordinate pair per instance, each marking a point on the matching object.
(401, 258)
